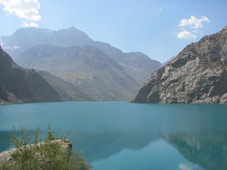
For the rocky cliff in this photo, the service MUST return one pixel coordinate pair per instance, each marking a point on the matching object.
(197, 75)
(22, 85)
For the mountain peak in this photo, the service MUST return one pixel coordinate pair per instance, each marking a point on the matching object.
(73, 28)
(224, 30)
(97, 66)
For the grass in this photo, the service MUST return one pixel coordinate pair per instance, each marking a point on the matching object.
(48, 155)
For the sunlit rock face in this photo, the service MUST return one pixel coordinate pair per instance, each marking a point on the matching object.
(197, 75)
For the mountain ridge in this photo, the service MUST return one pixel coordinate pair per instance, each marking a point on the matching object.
(25, 38)
(19, 85)
(92, 71)
(130, 69)
(197, 75)
(66, 90)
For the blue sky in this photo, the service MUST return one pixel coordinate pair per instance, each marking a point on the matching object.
(158, 28)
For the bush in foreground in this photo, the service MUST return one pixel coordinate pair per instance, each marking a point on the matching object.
(49, 155)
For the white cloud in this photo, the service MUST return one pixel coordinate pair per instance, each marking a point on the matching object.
(186, 35)
(193, 25)
(11, 47)
(24, 9)
(30, 24)
(194, 22)
(183, 166)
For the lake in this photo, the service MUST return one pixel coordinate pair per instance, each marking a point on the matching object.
(126, 136)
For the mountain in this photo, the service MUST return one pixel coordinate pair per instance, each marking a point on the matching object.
(66, 90)
(22, 85)
(197, 75)
(133, 67)
(25, 38)
(92, 71)
(134, 59)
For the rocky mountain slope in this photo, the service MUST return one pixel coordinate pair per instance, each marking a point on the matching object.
(197, 75)
(66, 90)
(25, 38)
(22, 85)
(131, 71)
(92, 71)
(134, 59)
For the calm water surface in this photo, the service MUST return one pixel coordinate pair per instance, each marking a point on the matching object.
(124, 136)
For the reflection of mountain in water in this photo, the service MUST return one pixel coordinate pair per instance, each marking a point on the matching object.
(5, 137)
(4, 140)
(206, 150)
(198, 132)
(112, 140)
(102, 146)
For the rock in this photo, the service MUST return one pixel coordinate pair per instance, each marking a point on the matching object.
(223, 99)
(5, 156)
(197, 75)
(224, 60)
(19, 85)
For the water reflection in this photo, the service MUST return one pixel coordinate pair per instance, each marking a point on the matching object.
(5, 143)
(188, 136)
(4, 140)
(102, 146)
(207, 150)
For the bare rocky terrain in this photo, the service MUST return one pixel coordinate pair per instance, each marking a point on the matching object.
(197, 75)
(95, 68)
(19, 85)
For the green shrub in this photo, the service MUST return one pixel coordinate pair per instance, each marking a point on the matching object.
(48, 155)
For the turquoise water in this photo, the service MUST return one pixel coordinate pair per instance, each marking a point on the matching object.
(125, 136)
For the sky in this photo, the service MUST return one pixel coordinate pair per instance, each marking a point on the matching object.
(158, 28)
